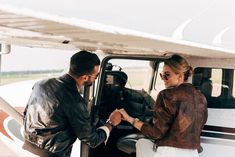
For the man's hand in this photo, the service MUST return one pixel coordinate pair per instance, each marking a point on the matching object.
(115, 117)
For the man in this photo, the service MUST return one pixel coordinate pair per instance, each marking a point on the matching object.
(56, 113)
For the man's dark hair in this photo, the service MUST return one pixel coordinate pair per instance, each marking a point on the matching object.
(83, 62)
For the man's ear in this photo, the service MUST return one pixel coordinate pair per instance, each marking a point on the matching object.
(84, 77)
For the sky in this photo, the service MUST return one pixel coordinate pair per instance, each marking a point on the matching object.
(25, 58)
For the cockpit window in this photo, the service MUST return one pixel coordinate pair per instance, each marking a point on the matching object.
(217, 85)
(208, 81)
(138, 72)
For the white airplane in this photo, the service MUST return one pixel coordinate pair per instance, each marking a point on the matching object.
(127, 49)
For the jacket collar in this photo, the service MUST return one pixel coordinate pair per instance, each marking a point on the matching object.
(69, 81)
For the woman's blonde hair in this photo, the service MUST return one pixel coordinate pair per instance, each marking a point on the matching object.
(179, 65)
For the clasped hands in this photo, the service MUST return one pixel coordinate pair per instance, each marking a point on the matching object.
(118, 115)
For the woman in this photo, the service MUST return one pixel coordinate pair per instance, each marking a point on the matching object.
(180, 114)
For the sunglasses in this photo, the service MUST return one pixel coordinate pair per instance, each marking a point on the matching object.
(165, 76)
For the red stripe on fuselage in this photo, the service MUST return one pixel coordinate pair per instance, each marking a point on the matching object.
(3, 116)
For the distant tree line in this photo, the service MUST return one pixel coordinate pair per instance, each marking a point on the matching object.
(29, 72)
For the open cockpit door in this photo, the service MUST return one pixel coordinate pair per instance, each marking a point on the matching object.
(124, 82)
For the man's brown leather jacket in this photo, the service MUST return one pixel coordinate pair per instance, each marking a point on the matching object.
(180, 114)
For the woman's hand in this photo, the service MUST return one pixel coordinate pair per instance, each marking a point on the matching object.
(125, 116)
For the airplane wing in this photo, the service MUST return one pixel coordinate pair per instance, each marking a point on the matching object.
(36, 29)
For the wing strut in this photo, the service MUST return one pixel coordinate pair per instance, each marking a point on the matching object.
(5, 106)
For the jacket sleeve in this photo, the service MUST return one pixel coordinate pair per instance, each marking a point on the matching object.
(80, 122)
(164, 113)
